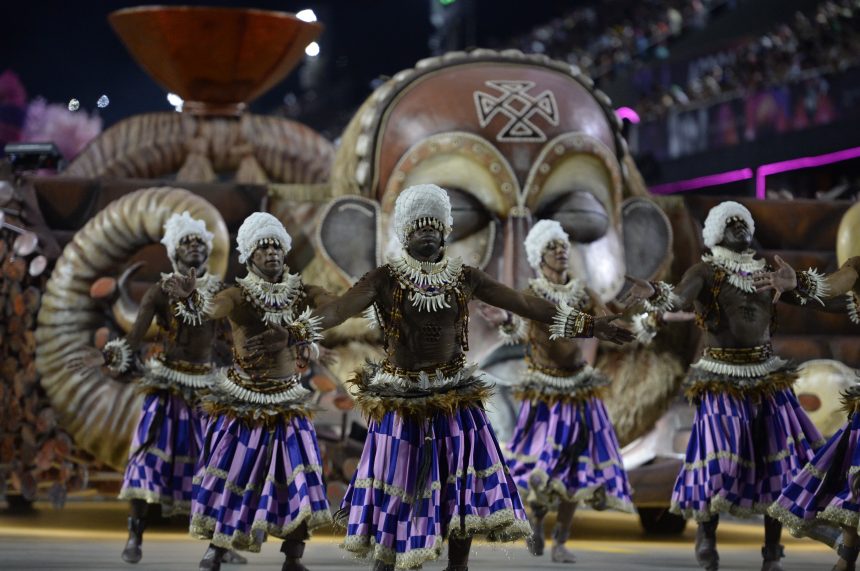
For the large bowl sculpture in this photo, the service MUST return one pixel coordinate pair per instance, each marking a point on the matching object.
(216, 59)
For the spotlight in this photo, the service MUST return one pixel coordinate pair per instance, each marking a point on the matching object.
(306, 15)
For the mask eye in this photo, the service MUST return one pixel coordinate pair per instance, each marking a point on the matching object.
(581, 215)
(469, 214)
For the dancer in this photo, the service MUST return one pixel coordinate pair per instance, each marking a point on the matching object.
(431, 467)
(564, 450)
(262, 472)
(168, 438)
(750, 436)
(828, 489)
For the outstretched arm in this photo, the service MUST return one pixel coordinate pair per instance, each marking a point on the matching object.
(148, 304)
(118, 354)
(352, 302)
(845, 278)
(566, 322)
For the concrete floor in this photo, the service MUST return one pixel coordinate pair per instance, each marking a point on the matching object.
(91, 536)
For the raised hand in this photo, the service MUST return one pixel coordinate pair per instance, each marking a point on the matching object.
(781, 280)
(493, 315)
(86, 359)
(639, 290)
(180, 286)
(607, 331)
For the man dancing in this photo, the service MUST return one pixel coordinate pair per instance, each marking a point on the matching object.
(169, 434)
(564, 447)
(750, 436)
(431, 467)
(828, 489)
(262, 472)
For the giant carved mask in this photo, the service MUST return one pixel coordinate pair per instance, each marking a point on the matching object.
(512, 138)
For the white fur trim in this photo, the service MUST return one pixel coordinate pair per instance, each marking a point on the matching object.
(719, 216)
(421, 201)
(178, 226)
(259, 226)
(541, 234)
(643, 326)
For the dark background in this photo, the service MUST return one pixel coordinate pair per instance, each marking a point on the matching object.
(67, 49)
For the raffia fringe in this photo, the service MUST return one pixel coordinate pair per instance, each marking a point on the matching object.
(851, 400)
(169, 506)
(397, 491)
(718, 505)
(499, 526)
(799, 527)
(554, 489)
(740, 388)
(159, 453)
(539, 394)
(726, 455)
(239, 490)
(203, 527)
(269, 417)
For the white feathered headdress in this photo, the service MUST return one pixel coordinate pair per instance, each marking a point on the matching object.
(541, 234)
(257, 227)
(420, 205)
(719, 216)
(180, 226)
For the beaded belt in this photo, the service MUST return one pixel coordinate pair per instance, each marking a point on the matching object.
(446, 369)
(552, 371)
(741, 355)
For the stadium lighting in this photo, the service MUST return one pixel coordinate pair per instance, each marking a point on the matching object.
(306, 15)
(175, 100)
(313, 49)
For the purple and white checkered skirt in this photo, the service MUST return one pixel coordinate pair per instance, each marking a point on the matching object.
(164, 453)
(568, 450)
(743, 450)
(821, 492)
(465, 488)
(257, 481)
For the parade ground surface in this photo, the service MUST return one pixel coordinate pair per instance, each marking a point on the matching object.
(91, 536)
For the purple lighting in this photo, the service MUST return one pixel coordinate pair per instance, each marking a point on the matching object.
(628, 113)
(702, 181)
(801, 163)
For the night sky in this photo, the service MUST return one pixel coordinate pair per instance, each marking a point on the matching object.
(67, 49)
